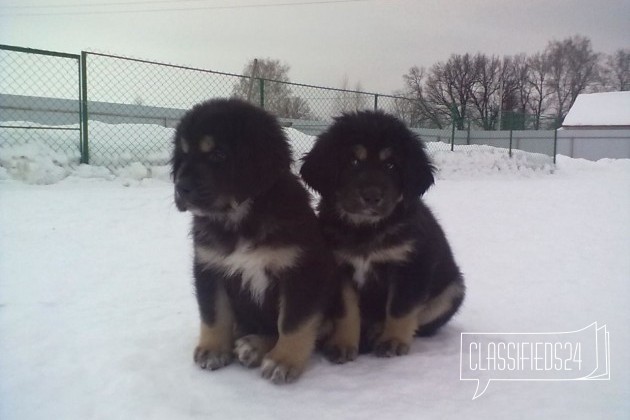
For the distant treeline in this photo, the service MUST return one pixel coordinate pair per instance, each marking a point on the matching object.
(523, 91)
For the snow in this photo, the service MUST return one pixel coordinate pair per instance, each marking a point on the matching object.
(600, 109)
(98, 318)
(37, 163)
(34, 163)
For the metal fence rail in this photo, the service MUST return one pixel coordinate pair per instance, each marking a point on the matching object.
(110, 110)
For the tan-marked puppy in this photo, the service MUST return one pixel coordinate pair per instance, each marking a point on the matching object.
(397, 265)
(263, 273)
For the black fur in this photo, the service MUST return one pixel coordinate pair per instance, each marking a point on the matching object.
(248, 171)
(370, 171)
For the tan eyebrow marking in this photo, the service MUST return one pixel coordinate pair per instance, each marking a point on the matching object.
(385, 154)
(184, 145)
(360, 152)
(206, 144)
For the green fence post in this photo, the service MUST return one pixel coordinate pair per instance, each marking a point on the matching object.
(468, 133)
(85, 150)
(510, 154)
(555, 144)
(375, 102)
(80, 102)
(453, 128)
(262, 93)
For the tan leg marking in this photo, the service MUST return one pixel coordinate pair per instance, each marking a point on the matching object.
(343, 345)
(397, 332)
(215, 341)
(397, 335)
(288, 358)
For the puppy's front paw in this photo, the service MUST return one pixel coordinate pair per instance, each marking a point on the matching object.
(251, 349)
(213, 359)
(340, 353)
(280, 371)
(391, 347)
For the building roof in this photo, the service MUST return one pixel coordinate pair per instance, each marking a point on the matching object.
(609, 109)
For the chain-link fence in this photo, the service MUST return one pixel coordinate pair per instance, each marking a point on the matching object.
(133, 106)
(114, 110)
(39, 100)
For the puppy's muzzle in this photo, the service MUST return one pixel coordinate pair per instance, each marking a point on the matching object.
(371, 197)
(184, 193)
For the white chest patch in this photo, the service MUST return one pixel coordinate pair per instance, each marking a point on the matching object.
(362, 264)
(251, 263)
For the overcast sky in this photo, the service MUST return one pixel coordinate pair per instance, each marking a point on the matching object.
(371, 41)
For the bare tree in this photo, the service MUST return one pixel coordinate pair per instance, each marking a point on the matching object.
(537, 78)
(294, 107)
(415, 108)
(616, 71)
(516, 71)
(449, 86)
(479, 88)
(573, 68)
(406, 110)
(485, 91)
(278, 96)
(349, 100)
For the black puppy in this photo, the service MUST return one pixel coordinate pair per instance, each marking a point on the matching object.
(263, 273)
(370, 171)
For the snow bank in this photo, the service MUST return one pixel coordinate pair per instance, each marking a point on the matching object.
(483, 161)
(34, 163)
(37, 163)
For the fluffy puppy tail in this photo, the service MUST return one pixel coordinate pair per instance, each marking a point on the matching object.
(441, 309)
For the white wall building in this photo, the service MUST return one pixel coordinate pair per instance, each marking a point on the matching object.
(597, 126)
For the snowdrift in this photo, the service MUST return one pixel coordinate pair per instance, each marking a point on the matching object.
(49, 160)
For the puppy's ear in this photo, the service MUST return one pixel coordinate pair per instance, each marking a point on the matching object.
(267, 157)
(319, 166)
(419, 170)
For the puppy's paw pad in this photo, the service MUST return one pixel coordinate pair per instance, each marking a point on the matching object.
(389, 348)
(340, 354)
(248, 353)
(279, 373)
(211, 359)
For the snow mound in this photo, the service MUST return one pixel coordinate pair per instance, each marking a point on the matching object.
(488, 161)
(300, 143)
(34, 163)
(463, 162)
(135, 171)
(4, 174)
(584, 166)
(91, 171)
(163, 172)
(38, 163)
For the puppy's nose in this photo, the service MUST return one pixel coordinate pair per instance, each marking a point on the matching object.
(372, 196)
(184, 187)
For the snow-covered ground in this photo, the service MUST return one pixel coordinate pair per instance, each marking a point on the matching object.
(98, 319)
